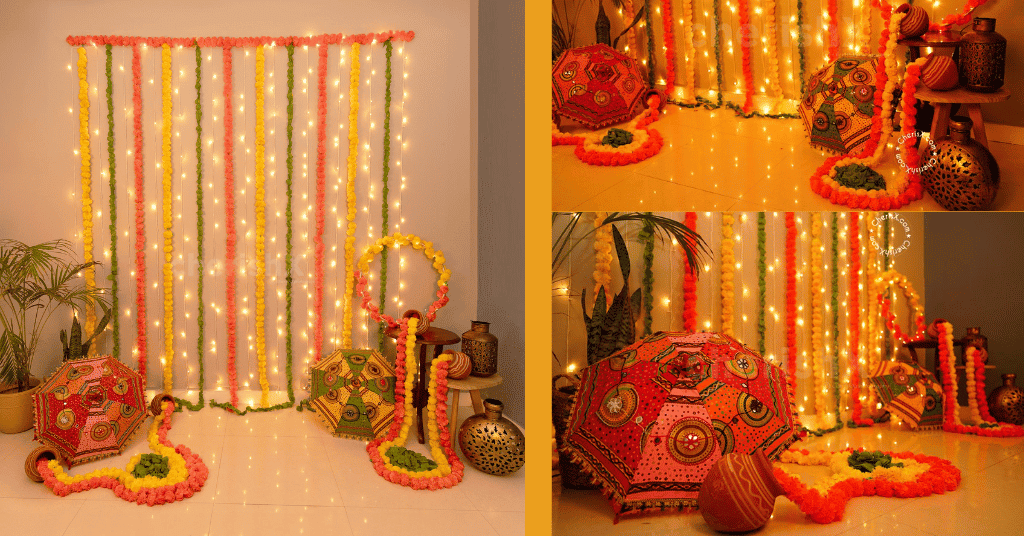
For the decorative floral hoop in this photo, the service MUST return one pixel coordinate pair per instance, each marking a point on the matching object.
(883, 283)
(825, 501)
(397, 240)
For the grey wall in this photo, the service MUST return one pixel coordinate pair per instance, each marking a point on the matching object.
(973, 277)
(500, 197)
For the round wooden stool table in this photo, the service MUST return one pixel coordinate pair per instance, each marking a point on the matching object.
(437, 339)
(473, 384)
(944, 101)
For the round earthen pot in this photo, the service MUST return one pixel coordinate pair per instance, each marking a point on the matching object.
(460, 367)
(915, 24)
(940, 73)
(739, 493)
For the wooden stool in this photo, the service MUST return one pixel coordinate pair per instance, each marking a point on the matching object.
(437, 339)
(944, 101)
(473, 384)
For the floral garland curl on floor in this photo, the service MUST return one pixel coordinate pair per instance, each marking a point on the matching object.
(635, 142)
(858, 473)
(171, 473)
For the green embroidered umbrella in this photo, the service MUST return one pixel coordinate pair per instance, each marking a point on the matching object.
(839, 104)
(353, 393)
(909, 391)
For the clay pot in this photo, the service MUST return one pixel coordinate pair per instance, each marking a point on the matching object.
(940, 73)
(31, 467)
(1006, 402)
(424, 323)
(933, 329)
(460, 367)
(915, 24)
(739, 493)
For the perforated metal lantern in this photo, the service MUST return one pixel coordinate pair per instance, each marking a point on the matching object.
(960, 173)
(491, 443)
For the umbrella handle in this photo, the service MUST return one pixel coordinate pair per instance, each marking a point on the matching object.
(154, 406)
(43, 452)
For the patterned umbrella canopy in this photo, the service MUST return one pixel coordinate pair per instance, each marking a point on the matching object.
(597, 86)
(90, 408)
(839, 104)
(649, 421)
(353, 393)
(909, 391)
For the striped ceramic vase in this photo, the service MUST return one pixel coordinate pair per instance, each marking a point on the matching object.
(739, 493)
(915, 24)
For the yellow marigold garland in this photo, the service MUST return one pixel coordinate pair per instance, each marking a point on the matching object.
(728, 269)
(168, 221)
(261, 224)
(689, 52)
(83, 130)
(350, 190)
(817, 297)
(602, 256)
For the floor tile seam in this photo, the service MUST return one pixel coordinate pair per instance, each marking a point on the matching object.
(71, 522)
(577, 206)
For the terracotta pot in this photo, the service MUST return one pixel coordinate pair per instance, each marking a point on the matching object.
(424, 323)
(31, 467)
(1006, 402)
(460, 367)
(915, 24)
(739, 493)
(940, 73)
(16, 414)
(933, 329)
(978, 341)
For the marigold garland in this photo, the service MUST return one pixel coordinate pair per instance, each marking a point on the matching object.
(140, 215)
(602, 256)
(987, 426)
(187, 473)
(761, 281)
(83, 138)
(825, 502)
(689, 52)
(690, 283)
(384, 183)
(957, 19)
(817, 294)
(748, 73)
(631, 33)
(247, 42)
(261, 226)
(646, 143)
(229, 231)
(865, 35)
(321, 191)
(853, 331)
(791, 349)
(833, 30)
(728, 269)
(773, 51)
(350, 233)
(871, 316)
(168, 219)
(115, 320)
(670, 47)
(883, 283)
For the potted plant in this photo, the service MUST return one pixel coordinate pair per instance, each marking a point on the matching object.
(35, 281)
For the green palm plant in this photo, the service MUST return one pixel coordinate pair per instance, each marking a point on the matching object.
(36, 281)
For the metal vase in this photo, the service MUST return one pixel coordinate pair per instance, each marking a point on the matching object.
(960, 172)
(983, 57)
(482, 348)
(491, 443)
(1006, 402)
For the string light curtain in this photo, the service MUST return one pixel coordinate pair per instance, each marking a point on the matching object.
(229, 227)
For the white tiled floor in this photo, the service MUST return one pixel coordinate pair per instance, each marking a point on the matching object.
(987, 501)
(270, 473)
(714, 160)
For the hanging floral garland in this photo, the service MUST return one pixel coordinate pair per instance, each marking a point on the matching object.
(951, 415)
(321, 192)
(350, 190)
(833, 30)
(181, 403)
(631, 33)
(650, 42)
(689, 53)
(115, 320)
(801, 63)
(140, 215)
(384, 451)
(748, 73)
(386, 158)
(817, 293)
(261, 227)
(761, 281)
(670, 47)
(646, 142)
(883, 283)
(791, 349)
(186, 473)
(901, 474)
(690, 284)
(230, 238)
(83, 138)
(728, 269)
(602, 256)
(853, 330)
(646, 236)
(869, 313)
(168, 219)
(957, 19)
(289, 162)
(773, 52)
(865, 35)
(834, 264)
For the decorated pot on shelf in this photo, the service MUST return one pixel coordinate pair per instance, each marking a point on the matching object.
(491, 443)
(460, 367)
(482, 348)
(977, 340)
(424, 323)
(933, 329)
(939, 73)
(915, 24)
(960, 172)
(573, 477)
(1006, 402)
(983, 57)
(739, 493)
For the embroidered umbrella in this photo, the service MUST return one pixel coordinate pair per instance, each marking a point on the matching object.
(909, 391)
(90, 408)
(649, 421)
(353, 393)
(839, 104)
(597, 86)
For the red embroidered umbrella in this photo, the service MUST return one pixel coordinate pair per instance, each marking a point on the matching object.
(649, 421)
(597, 86)
(839, 104)
(90, 408)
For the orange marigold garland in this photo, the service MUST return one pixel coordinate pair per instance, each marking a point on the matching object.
(670, 48)
(690, 284)
(728, 274)
(748, 73)
(791, 349)
(646, 142)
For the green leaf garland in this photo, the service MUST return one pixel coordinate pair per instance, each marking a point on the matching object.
(761, 284)
(111, 159)
(647, 237)
(835, 311)
(384, 189)
(650, 43)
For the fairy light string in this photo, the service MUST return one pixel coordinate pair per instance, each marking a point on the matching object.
(115, 320)
(386, 158)
(86, 172)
